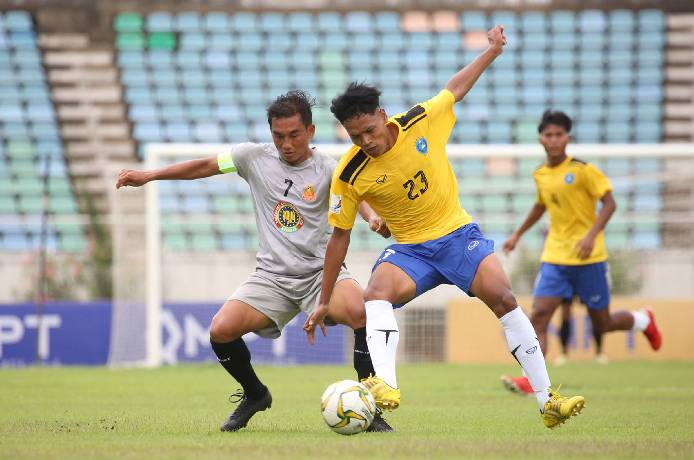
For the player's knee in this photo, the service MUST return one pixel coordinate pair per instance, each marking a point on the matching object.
(357, 316)
(221, 331)
(376, 293)
(506, 303)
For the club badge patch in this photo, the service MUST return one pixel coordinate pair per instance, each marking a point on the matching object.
(569, 178)
(309, 193)
(422, 146)
(288, 219)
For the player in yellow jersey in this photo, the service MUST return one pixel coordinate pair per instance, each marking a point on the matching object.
(399, 166)
(574, 260)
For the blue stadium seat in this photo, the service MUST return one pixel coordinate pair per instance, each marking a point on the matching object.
(129, 59)
(300, 22)
(193, 41)
(147, 132)
(208, 132)
(474, 20)
(188, 21)
(18, 21)
(618, 132)
(651, 20)
(178, 131)
(387, 21)
(650, 132)
(217, 59)
(222, 41)
(217, 22)
(621, 21)
(188, 59)
(330, 22)
(562, 20)
(272, 22)
(160, 21)
(592, 21)
(508, 18)
(359, 22)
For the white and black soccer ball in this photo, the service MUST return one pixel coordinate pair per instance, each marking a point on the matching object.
(348, 407)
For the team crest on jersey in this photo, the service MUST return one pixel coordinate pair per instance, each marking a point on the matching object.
(287, 218)
(422, 146)
(569, 178)
(309, 193)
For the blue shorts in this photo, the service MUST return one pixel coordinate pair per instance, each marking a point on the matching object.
(451, 259)
(591, 283)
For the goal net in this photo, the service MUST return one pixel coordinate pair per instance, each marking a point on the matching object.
(182, 247)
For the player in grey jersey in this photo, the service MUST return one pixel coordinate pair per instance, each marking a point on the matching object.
(290, 185)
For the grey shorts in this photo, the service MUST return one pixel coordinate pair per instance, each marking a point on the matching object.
(280, 298)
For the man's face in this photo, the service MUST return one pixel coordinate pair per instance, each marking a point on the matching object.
(291, 137)
(554, 139)
(369, 132)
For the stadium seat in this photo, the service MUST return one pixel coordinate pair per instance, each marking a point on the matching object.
(160, 21)
(128, 22)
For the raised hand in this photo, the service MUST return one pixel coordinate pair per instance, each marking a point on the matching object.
(496, 37)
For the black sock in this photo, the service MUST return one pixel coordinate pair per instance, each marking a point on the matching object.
(362, 357)
(236, 359)
(565, 335)
(597, 335)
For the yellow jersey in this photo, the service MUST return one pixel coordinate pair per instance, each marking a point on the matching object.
(411, 186)
(570, 192)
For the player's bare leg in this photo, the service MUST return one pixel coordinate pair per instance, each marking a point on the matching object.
(228, 326)
(347, 307)
(623, 320)
(492, 286)
(388, 284)
(543, 310)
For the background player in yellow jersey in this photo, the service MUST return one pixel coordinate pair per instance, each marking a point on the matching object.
(399, 167)
(574, 260)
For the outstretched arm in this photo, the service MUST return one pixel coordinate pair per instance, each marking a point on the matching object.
(334, 258)
(533, 216)
(463, 81)
(191, 169)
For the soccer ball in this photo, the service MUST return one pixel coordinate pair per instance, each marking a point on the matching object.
(348, 407)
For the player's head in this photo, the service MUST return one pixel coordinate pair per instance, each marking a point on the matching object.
(291, 124)
(359, 111)
(555, 132)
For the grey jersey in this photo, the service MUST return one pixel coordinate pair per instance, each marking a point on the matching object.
(291, 207)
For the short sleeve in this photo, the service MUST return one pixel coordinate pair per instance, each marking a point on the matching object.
(242, 156)
(344, 204)
(597, 182)
(440, 111)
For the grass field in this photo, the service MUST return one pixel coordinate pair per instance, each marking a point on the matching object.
(634, 410)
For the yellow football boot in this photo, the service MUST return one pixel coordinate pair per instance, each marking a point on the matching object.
(387, 397)
(559, 409)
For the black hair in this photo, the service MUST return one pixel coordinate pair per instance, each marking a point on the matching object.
(291, 103)
(554, 117)
(358, 99)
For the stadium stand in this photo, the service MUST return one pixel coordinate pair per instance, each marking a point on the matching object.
(196, 77)
(31, 152)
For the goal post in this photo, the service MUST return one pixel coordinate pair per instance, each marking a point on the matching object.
(495, 170)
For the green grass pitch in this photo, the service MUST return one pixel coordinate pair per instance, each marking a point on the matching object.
(634, 410)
